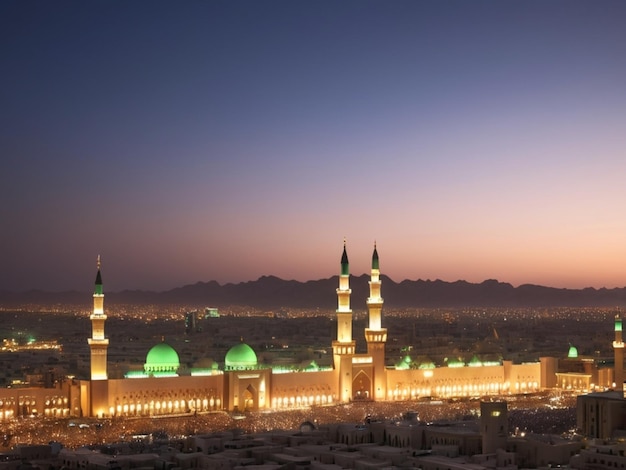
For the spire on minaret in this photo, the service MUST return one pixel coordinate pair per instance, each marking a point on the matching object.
(345, 268)
(98, 288)
(375, 258)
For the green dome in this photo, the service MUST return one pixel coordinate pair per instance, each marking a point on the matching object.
(405, 363)
(162, 358)
(240, 356)
(475, 362)
(455, 362)
(573, 352)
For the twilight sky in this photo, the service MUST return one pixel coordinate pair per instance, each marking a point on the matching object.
(226, 140)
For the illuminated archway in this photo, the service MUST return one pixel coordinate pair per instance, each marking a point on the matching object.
(250, 398)
(361, 386)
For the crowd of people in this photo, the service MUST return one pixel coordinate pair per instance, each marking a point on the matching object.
(544, 413)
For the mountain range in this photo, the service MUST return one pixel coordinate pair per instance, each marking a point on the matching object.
(270, 292)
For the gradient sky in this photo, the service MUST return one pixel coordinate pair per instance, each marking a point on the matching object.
(226, 140)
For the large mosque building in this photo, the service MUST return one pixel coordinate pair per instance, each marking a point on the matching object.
(242, 383)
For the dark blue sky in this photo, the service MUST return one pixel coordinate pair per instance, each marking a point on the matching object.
(188, 141)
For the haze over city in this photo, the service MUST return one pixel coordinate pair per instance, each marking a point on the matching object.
(224, 141)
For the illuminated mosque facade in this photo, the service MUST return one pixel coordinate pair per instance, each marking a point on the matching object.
(244, 384)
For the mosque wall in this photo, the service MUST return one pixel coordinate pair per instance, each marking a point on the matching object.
(467, 381)
(165, 395)
(574, 381)
(606, 377)
(525, 377)
(63, 400)
(303, 388)
(549, 367)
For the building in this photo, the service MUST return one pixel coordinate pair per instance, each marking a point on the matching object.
(600, 414)
(161, 387)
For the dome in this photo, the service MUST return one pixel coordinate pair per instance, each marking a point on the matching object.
(240, 356)
(405, 363)
(426, 364)
(162, 358)
(475, 362)
(573, 352)
(455, 362)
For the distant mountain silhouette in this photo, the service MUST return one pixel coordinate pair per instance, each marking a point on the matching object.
(270, 292)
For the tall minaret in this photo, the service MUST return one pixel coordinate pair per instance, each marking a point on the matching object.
(98, 343)
(618, 347)
(375, 335)
(344, 346)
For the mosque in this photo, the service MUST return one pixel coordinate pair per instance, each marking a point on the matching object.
(244, 384)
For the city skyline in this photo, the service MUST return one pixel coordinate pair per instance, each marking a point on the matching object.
(230, 140)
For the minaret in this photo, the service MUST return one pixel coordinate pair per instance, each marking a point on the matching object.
(344, 346)
(618, 347)
(98, 343)
(375, 335)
